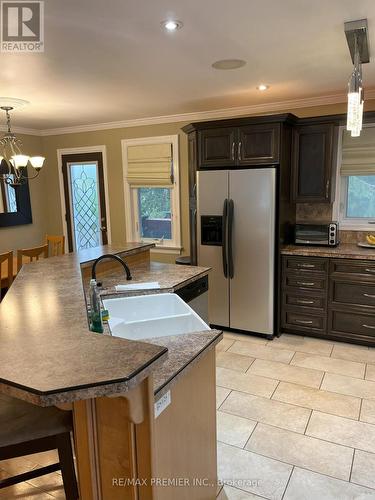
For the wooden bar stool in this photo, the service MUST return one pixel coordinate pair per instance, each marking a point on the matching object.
(32, 253)
(8, 277)
(26, 429)
(56, 245)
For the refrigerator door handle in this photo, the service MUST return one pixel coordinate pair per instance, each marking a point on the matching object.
(230, 238)
(224, 245)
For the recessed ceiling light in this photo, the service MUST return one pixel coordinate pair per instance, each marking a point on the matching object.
(171, 25)
(262, 87)
(229, 64)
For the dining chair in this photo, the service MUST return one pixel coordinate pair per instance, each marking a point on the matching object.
(26, 429)
(56, 245)
(32, 253)
(8, 278)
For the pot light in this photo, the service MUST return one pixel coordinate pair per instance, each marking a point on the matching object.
(171, 25)
(229, 64)
(262, 87)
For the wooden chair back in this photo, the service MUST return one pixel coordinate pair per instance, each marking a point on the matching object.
(32, 253)
(7, 278)
(56, 245)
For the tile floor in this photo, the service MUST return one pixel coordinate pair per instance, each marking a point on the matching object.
(296, 419)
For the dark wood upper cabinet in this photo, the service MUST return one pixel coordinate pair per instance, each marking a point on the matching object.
(259, 144)
(313, 163)
(217, 147)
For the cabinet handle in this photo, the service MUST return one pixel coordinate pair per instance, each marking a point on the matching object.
(300, 301)
(369, 326)
(327, 189)
(370, 270)
(305, 283)
(306, 265)
(369, 295)
(239, 150)
(306, 322)
(233, 150)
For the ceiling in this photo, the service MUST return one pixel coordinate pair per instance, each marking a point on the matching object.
(110, 60)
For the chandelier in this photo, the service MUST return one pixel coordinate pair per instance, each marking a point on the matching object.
(13, 163)
(356, 35)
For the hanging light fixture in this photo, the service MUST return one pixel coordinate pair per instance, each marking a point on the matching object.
(357, 38)
(13, 163)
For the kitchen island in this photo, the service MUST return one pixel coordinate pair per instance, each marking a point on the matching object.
(48, 356)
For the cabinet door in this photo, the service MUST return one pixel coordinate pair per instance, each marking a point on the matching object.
(313, 163)
(217, 147)
(259, 144)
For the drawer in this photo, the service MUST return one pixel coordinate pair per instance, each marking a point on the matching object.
(352, 323)
(305, 281)
(301, 321)
(302, 300)
(345, 292)
(353, 267)
(316, 264)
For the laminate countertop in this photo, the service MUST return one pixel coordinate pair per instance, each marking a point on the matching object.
(342, 251)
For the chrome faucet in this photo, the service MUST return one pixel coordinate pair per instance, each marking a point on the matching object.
(114, 257)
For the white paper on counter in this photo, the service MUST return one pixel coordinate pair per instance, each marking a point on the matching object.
(138, 286)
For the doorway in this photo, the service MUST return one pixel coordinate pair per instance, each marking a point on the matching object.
(85, 200)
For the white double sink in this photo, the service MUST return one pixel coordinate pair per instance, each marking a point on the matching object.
(147, 316)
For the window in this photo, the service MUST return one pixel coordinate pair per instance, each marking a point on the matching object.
(355, 198)
(152, 202)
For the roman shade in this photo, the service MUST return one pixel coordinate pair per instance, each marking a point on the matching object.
(358, 153)
(150, 165)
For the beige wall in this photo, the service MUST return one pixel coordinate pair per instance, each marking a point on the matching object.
(45, 190)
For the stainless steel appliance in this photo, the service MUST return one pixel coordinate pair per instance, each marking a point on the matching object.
(236, 231)
(317, 233)
(196, 295)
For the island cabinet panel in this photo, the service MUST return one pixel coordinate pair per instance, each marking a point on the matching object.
(259, 144)
(342, 309)
(217, 147)
(313, 163)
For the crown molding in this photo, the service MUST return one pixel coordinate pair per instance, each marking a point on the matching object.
(255, 109)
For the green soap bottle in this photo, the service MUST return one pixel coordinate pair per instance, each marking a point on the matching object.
(96, 324)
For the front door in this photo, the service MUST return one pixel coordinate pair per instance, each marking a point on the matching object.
(84, 193)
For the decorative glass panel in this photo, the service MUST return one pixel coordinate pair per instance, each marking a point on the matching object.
(361, 197)
(11, 201)
(154, 207)
(85, 205)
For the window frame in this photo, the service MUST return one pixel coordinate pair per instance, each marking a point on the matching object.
(340, 203)
(172, 246)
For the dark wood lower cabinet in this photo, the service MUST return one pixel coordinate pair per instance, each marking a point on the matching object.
(329, 298)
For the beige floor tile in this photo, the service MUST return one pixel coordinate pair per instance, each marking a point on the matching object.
(330, 365)
(224, 344)
(370, 372)
(243, 337)
(363, 469)
(267, 411)
(307, 485)
(233, 361)
(315, 399)
(229, 493)
(287, 373)
(350, 352)
(251, 472)
(245, 382)
(368, 411)
(233, 430)
(17, 466)
(341, 430)
(303, 344)
(261, 351)
(49, 483)
(221, 394)
(43, 458)
(348, 385)
(302, 451)
(23, 491)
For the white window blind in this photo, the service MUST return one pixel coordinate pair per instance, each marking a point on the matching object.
(150, 165)
(358, 153)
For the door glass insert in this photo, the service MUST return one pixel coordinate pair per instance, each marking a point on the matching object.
(85, 212)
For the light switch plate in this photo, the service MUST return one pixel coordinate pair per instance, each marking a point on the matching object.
(161, 404)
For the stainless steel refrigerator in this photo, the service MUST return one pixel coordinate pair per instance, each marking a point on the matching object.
(236, 237)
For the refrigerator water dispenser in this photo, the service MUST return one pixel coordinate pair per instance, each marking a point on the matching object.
(212, 230)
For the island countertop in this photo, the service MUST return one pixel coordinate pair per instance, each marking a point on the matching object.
(342, 251)
(47, 353)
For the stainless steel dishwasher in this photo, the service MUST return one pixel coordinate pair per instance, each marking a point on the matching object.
(196, 295)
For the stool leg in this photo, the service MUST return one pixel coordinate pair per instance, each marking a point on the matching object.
(64, 446)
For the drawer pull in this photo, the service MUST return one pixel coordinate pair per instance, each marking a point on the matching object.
(305, 301)
(305, 283)
(369, 295)
(307, 322)
(369, 326)
(369, 270)
(306, 265)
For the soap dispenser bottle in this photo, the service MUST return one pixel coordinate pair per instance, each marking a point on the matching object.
(96, 324)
